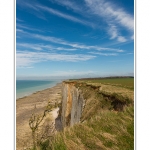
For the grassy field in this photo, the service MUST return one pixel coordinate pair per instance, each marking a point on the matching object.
(107, 121)
(122, 82)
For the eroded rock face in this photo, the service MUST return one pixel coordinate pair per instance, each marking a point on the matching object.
(72, 104)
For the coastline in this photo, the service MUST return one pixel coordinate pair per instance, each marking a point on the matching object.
(25, 107)
(27, 91)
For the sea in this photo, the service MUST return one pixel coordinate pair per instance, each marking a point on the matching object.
(27, 87)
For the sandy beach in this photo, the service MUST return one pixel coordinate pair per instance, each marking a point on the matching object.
(24, 109)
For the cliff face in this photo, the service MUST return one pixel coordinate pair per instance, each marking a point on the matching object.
(72, 104)
(81, 101)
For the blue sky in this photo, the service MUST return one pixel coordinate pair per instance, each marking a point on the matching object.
(74, 38)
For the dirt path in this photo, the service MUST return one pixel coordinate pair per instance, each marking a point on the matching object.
(24, 109)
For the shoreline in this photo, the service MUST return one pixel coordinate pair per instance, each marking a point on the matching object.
(29, 91)
(25, 107)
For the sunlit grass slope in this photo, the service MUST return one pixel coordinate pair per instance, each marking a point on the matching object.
(105, 131)
(107, 121)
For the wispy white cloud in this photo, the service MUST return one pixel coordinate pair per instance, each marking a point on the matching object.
(66, 16)
(132, 37)
(101, 8)
(19, 20)
(104, 54)
(26, 4)
(18, 37)
(20, 30)
(38, 9)
(132, 53)
(113, 16)
(43, 47)
(111, 12)
(74, 45)
(31, 6)
(23, 60)
(70, 5)
(112, 31)
(121, 39)
(21, 27)
(29, 46)
(26, 58)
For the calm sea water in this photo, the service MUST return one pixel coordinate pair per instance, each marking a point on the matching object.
(27, 87)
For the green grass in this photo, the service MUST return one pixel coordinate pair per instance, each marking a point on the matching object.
(122, 82)
(101, 127)
(106, 130)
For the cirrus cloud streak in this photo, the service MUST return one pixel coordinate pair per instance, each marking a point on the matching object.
(26, 58)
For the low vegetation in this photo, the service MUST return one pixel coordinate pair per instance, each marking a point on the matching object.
(42, 127)
(121, 82)
(107, 121)
(107, 130)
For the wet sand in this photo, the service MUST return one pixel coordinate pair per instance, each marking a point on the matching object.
(24, 109)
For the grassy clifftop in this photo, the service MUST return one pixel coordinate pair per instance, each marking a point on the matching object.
(107, 121)
(104, 131)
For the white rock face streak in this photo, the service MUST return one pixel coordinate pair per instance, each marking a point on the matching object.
(72, 104)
